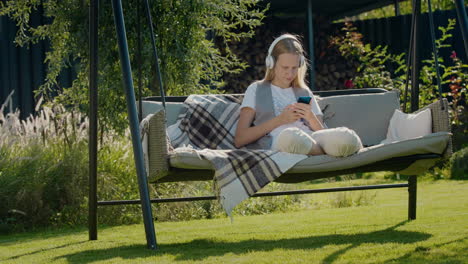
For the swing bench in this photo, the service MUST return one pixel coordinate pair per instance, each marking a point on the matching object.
(370, 114)
(366, 111)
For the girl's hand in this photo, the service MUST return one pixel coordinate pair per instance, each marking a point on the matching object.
(303, 110)
(289, 115)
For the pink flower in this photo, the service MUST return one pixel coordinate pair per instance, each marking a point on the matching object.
(454, 55)
(455, 89)
(348, 84)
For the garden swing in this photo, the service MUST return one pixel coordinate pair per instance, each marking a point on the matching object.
(374, 107)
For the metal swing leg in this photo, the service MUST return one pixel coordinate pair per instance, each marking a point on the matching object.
(310, 34)
(93, 105)
(134, 126)
(412, 194)
(415, 58)
(463, 21)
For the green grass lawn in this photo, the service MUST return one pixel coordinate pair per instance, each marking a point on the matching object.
(375, 233)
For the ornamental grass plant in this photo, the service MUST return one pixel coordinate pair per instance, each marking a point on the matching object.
(41, 172)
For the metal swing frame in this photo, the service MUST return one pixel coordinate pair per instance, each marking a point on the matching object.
(145, 199)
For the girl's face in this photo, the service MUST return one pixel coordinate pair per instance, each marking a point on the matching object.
(286, 67)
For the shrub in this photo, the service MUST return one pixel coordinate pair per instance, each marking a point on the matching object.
(41, 172)
(459, 164)
(44, 171)
(348, 199)
(375, 61)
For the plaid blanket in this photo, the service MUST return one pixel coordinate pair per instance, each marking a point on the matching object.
(207, 127)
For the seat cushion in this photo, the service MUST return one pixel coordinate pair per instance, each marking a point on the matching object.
(432, 143)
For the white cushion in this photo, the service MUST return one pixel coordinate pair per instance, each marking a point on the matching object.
(338, 142)
(406, 126)
(293, 140)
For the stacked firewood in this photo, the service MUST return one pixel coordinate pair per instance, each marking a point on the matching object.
(332, 71)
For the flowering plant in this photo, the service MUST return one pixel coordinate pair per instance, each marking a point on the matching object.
(348, 84)
(371, 70)
(458, 83)
(375, 64)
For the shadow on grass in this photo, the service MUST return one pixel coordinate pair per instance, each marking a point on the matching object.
(203, 248)
(45, 249)
(41, 234)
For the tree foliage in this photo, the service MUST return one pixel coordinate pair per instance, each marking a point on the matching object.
(185, 32)
(375, 62)
(406, 8)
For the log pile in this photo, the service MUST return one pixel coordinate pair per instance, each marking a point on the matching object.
(331, 70)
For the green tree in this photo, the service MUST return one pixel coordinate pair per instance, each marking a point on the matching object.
(190, 62)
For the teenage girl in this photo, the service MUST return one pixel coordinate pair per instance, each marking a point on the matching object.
(285, 74)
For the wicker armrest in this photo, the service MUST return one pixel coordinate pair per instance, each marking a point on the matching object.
(158, 147)
(440, 120)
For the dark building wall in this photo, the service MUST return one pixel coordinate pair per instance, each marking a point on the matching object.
(22, 69)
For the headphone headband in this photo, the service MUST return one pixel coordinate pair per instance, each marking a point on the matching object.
(278, 39)
(270, 61)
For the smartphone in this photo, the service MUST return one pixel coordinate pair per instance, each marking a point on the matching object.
(304, 99)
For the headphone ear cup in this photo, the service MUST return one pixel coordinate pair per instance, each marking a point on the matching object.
(301, 61)
(269, 62)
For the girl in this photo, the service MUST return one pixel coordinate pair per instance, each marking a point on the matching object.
(271, 104)
(279, 121)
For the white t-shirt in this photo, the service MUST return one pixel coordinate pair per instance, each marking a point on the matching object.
(282, 97)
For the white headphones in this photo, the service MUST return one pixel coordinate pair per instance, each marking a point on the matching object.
(270, 61)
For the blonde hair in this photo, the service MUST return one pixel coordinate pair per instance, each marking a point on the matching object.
(290, 45)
